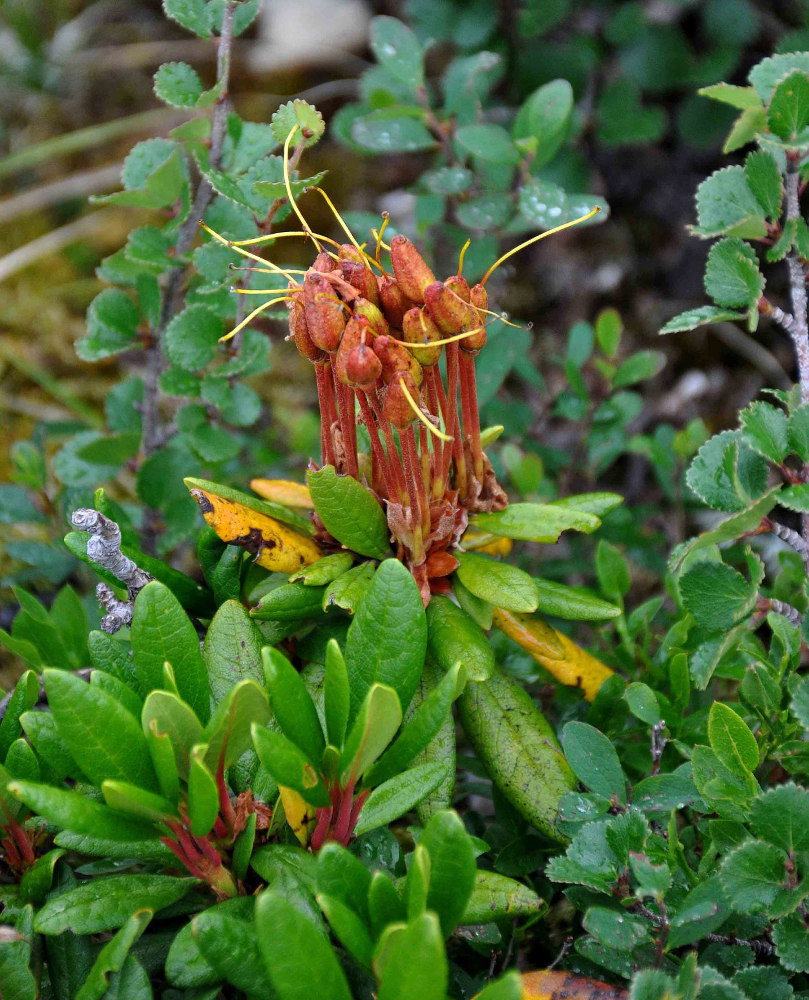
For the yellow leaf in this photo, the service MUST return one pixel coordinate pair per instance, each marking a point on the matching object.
(283, 491)
(299, 814)
(542, 985)
(484, 541)
(277, 547)
(560, 656)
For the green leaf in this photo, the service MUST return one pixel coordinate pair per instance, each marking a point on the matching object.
(798, 432)
(162, 632)
(113, 955)
(623, 119)
(544, 120)
(703, 316)
(500, 584)
(717, 595)
(299, 113)
(292, 705)
(781, 816)
(324, 571)
(764, 429)
(728, 93)
(227, 735)
(732, 277)
(164, 713)
(518, 747)
(795, 497)
(387, 639)
(374, 727)
(750, 123)
(291, 602)
(341, 875)
(791, 943)
(230, 945)
(203, 795)
(765, 181)
(191, 338)
(490, 143)
(727, 206)
(392, 130)
(638, 367)
(615, 929)
(454, 637)
(348, 590)
(398, 49)
(350, 512)
(788, 112)
(413, 962)
(452, 868)
(417, 732)
(275, 510)
(572, 603)
(486, 211)
(336, 694)
(24, 696)
(535, 522)
(754, 876)
(726, 474)
(232, 649)
(15, 956)
(731, 739)
(496, 897)
(289, 766)
(643, 703)
(193, 15)
(507, 987)
(349, 929)
(284, 935)
(101, 735)
(178, 85)
(594, 760)
(393, 798)
(128, 798)
(612, 571)
(547, 205)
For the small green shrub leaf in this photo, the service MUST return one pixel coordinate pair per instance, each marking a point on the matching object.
(454, 637)
(350, 512)
(731, 739)
(498, 583)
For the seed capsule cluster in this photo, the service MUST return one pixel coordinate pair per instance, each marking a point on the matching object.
(376, 340)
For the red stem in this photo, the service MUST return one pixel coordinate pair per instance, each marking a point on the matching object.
(409, 442)
(455, 447)
(394, 461)
(12, 854)
(23, 842)
(377, 451)
(326, 402)
(324, 815)
(342, 827)
(359, 802)
(472, 421)
(227, 812)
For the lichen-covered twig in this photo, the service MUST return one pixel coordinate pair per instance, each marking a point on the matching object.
(104, 548)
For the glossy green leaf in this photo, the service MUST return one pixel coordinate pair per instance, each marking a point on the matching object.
(573, 603)
(289, 766)
(232, 649)
(398, 795)
(397, 48)
(418, 731)
(388, 636)
(292, 705)
(500, 584)
(103, 904)
(230, 946)
(496, 897)
(291, 602)
(415, 963)
(349, 929)
(341, 875)
(518, 747)
(24, 696)
(376, 723)
(535, 522)
(167, 714)
(203, 794)
(227, 735)
(125, 797)
(350, 512)
(348, 590)
(336, 694)
(452, 868)
(284, 934)
(453, 637)
(324, 571)
(113, 955)
(101, 735)
(162, 632)
(731, 739)
(15, 957)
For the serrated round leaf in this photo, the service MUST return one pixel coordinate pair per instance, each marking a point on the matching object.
(397, 48)
(726, 204)
(300, 113)
(732, 276)
(178, 85)
(788, 113)
(191, 338)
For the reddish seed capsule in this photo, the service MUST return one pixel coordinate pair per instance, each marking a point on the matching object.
(458, 284)
(409, 268)
(362, 367)
(394, 301)
(449, 310)
(362, 307)
(479, 298)
(396, 360)
(300, 333)
(325, 317)
(419, 328)
(396, 407)
(357, 272)
(357, 331)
